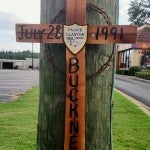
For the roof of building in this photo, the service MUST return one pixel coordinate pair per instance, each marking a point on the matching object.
(143, 37)
(143, 40)
(144, 34)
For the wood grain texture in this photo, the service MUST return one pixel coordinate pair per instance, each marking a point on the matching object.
(99, 89)
(109, 34)
(76, 13)
(51, 115)
(53, 33)
(80, 103)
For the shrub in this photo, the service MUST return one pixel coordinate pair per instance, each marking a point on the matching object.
(133, 70)
(122, 72)
(143, 75)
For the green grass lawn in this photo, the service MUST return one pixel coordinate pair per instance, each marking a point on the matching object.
(131, 127)
(18, 124)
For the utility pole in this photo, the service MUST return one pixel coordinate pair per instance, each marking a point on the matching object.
(32, 58)
(99, 86)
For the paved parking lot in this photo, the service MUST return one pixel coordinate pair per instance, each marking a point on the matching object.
(16, 82)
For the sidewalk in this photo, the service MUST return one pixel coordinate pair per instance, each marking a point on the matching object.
(142, 106)
(123, 77)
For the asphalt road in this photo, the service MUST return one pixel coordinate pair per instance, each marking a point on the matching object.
(16, 82)
(138, 89)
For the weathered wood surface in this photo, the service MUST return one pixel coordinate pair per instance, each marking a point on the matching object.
(97, 34)
(108, 34)
(100, 59)
(51, 118)
(39, 33)
(75, 13)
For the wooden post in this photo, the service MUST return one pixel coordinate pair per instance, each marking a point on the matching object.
(75, 73)
(99, 88)
(117, 60)
(51, 115)
(65, 83)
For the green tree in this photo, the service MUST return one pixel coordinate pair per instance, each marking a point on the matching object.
(17, 55)
(139, 12)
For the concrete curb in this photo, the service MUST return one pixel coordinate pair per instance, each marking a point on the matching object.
(142, 106)
(132, 77)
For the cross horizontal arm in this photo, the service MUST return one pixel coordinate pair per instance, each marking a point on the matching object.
(97, 34)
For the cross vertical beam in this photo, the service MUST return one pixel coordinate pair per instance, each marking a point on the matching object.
(76, 12)
(75, 83)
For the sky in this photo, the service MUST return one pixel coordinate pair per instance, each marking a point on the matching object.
(28, 11)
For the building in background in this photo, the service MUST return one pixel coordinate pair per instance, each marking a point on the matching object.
(19, 64)
(12, 64)
(35, 62)
(137, 54)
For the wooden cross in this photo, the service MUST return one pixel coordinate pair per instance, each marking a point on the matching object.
(75, 70)
(75, 59)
